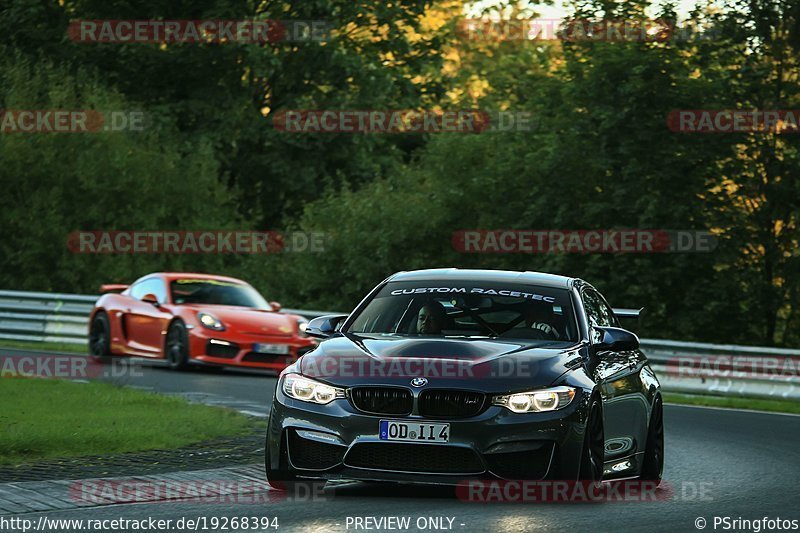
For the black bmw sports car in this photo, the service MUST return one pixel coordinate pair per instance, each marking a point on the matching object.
(442, 375)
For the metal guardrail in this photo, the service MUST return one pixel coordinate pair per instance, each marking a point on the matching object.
(725, 369)
(59, 318)
(685, 367)
(44, 316)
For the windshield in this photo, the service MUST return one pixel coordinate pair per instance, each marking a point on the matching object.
(214, 292)
(469, 309)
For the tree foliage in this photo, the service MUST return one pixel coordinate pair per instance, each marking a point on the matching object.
(599, 157)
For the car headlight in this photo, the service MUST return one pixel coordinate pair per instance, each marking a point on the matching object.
(536, 401)
(307, 390)
(210, 321)
(302, 325)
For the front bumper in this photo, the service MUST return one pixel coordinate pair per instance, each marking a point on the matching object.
(231, 349)
(337, 441)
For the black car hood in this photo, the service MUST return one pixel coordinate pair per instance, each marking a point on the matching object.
(489, 365)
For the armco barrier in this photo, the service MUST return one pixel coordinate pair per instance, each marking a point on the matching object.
(725, 369)
(687, 367)
(54, 317)
(44, 317)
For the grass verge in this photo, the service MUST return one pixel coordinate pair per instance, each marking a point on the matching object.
(45, 346)
(47, 418)
(751, 404)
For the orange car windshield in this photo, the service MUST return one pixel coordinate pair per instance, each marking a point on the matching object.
(216, 292)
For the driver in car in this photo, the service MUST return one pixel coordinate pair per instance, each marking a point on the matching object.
(431, 318)
(539, 317)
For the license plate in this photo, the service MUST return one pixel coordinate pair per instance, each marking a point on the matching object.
(280, 349)
(421, 432)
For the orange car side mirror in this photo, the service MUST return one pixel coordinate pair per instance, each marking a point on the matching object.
(275, 306)
(151, 299)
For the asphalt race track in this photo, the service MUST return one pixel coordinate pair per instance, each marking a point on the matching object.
(719, 463)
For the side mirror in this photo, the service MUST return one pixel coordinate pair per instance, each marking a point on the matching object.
(275, 306)
(615, 340)
(324, 326)
(151, 299)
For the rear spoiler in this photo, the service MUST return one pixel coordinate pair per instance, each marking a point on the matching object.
(629, 313)
(113, 287)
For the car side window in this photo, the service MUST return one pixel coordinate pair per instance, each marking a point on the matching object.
(590, 305)
(597, 310)
(606, 311)
(138, 289)
(150, 286)
(159, 288)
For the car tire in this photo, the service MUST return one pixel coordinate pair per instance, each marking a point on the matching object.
(100, 337)
(593, 452)
(176, 346)
(653, 463)
(283, 478)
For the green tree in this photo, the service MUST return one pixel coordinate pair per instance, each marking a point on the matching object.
(378, 55)
(756, 193)
(57, 183)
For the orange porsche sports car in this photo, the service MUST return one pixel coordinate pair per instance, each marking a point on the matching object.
(195, 318)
